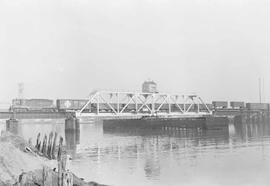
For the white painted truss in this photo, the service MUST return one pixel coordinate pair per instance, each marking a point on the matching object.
(107, 103)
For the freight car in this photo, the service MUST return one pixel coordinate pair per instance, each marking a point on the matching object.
(104, 107)
(257, 106)
(71, 104)
(78, 104)
(202, 107)
(25, 105)
(189, 107)
(237, 104)
(220, 104)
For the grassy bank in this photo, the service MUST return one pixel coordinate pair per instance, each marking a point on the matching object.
(21, 164)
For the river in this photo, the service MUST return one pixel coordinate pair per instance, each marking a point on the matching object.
(239, 156)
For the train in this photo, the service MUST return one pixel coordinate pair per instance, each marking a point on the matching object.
(24, 105)
(241, 105)
(65, 105)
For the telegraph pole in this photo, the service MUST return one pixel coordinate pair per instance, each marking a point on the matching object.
(20, 90)
(260, 92)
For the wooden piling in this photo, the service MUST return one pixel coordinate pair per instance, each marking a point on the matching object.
(54, 146)
(59, 154)
(44, 146)
(77, 131)
(38, 142)
(49, 151)
(59, 161)
(67, 179)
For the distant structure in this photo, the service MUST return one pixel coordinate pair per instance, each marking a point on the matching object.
(149, 87)
(20, 90)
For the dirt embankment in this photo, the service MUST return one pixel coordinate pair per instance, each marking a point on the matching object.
(19, 163)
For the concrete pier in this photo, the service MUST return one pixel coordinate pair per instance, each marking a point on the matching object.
(77, 132)
(72, 134)
(71, 123)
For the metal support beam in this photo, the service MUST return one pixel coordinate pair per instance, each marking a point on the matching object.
(137, 103)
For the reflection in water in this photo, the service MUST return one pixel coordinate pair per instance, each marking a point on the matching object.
(72, 139)
(152, 168)
(166, 156)
(251, 130)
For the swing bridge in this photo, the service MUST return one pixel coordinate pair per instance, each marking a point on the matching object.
(139, 104)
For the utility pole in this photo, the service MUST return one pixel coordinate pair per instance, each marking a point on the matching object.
(20, 90)
(263, 91)
(260, 92)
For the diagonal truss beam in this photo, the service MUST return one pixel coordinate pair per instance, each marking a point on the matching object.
(137, 101)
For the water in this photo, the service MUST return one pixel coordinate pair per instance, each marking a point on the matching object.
(238, 156)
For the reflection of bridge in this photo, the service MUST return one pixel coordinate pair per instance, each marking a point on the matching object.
(106, 103)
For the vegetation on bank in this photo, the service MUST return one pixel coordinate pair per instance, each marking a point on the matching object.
(22, 164)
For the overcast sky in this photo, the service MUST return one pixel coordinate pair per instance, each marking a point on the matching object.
(67, 48)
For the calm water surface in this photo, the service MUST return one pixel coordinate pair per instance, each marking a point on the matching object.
(238, 156)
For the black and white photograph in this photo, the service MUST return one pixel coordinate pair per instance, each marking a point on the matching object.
(134, 93)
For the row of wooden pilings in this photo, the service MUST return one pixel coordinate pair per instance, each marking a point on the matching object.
(255, 117)
(48, 147)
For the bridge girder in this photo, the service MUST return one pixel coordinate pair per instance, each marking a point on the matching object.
(118, 103)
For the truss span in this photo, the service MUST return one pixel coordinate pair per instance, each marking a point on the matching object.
(108, 103)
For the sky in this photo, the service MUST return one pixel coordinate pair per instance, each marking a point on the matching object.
(68, 48)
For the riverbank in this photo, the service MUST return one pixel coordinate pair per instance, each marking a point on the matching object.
(20, 164)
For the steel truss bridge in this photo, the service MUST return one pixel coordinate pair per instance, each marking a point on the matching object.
(107, 103)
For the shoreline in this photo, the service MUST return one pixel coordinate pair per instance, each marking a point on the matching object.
(21, 164)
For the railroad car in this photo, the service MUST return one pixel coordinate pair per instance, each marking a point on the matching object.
(257, 106)
(130, 107)
(104, 107)
(114, 106)
(202, 107)
(70, 104)
(191, 107)
(162, 108)
(24, 105)
(210, 106)
(175, 108)
(220, 104)
(237, 104)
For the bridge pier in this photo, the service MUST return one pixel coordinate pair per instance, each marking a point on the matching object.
(72, 123)
(72, 134)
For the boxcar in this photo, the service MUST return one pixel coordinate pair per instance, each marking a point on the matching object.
(202, 107)
(175, 108)
(220, 104)
(23, 105)
(257, 106)
(70, 104)
(163, 108)
(237, 104)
